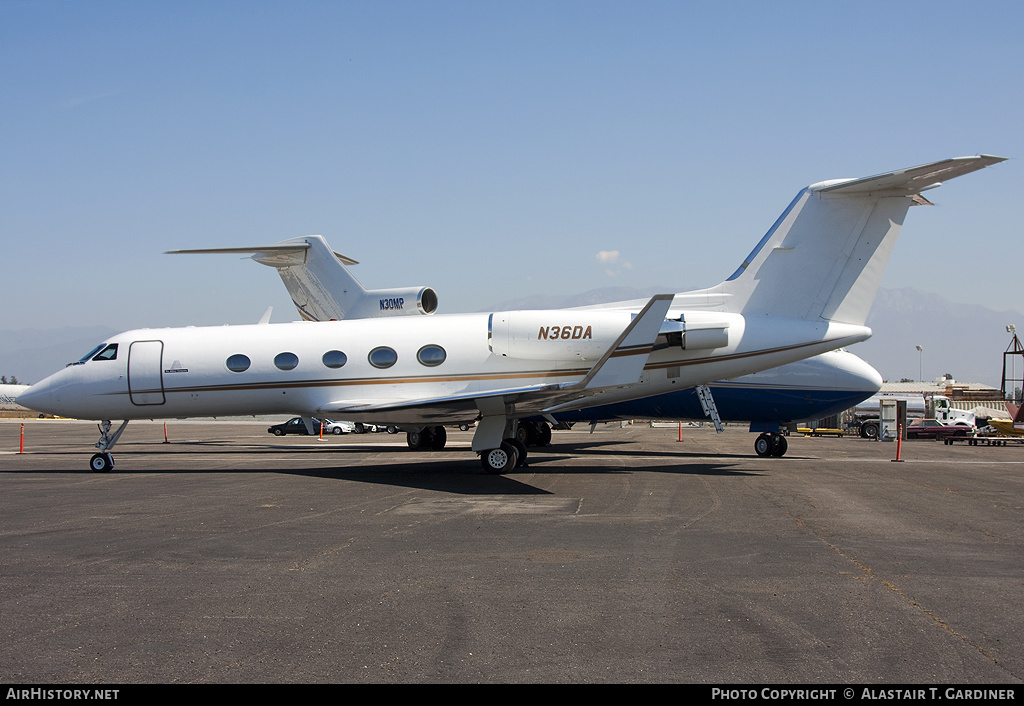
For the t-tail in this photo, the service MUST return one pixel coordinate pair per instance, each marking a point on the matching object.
(321, 286)
(824, 257)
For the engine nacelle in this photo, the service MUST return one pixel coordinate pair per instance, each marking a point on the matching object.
(396, 302)
(557, 335)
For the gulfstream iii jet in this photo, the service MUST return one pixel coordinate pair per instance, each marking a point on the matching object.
(805, 289)
(323, 288)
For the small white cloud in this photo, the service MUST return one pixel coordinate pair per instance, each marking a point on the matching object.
(612, 257)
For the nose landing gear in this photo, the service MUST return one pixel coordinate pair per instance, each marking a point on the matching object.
(103, 461)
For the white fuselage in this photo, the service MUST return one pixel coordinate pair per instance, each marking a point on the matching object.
(183, 372)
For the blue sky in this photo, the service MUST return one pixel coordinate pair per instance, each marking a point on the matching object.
(490, 150)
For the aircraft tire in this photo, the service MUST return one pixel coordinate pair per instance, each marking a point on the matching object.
(763, 445)
(415, 439)
(543, 434)
(438, 439)
(500, 460)
(781, 446)
(520, 451)
(101, 463)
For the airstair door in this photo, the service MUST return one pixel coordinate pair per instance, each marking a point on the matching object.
(145, 374)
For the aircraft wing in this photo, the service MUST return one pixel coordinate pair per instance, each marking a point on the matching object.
(621, 365)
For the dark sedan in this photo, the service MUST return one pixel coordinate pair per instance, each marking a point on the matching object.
(934, 429)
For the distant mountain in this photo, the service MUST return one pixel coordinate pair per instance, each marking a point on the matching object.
(963, 338)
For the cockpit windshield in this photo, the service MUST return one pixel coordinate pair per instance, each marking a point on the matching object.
(91, 353)
(100, 352)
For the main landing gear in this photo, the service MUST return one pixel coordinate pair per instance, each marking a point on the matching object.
(511, 454)
(531, 433)
(771, 445)
(500, 442)
(427, 438)
(103, 461)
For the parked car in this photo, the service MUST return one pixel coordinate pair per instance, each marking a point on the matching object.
(295, 425)
(934, 429)
(341, 427)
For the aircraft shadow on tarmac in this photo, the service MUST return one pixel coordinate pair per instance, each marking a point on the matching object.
(421, 470)
(581, 449)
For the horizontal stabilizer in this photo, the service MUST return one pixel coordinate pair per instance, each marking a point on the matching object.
(912, 181)
(291, 254)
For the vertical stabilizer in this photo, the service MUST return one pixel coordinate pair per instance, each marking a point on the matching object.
(321, 286)
(824, 257)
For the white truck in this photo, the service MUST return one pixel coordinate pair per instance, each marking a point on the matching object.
(919, 406)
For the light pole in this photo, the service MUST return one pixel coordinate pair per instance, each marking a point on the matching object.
(920, 372)
(1012, 330)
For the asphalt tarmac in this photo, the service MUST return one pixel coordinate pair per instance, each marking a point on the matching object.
(231, 556)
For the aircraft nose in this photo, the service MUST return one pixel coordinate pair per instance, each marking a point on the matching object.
(42, 397)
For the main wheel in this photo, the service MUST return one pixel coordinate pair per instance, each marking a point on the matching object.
(101, 463)
(499, 460)
(763, 445)
(415, 439)
(781, 446)
(520, 451)
(438, 438)
(543, 434)
(523, 434)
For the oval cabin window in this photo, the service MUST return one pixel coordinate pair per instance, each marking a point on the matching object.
(382, 357)
(334, 359)
(286, 361)
(431, 355)
(238, 363)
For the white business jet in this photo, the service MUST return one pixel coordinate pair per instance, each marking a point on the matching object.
(805, 289)
(322, 288)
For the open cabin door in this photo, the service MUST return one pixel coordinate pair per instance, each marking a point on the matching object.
(145, 373)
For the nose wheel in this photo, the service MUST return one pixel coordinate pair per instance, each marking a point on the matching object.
(103, 461)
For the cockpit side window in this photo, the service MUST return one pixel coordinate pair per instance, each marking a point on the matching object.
(108, 353)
